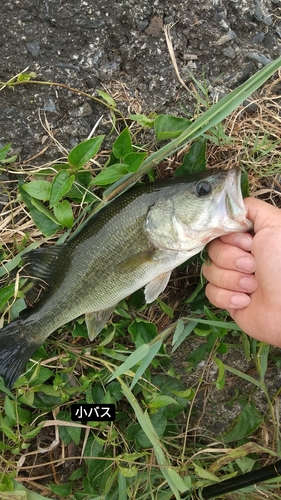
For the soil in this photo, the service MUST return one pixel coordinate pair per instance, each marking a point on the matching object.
(120, 47)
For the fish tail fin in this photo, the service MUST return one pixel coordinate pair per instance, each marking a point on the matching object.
(15, 351)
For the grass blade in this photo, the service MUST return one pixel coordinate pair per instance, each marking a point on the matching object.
(207, 120)
(175, 482)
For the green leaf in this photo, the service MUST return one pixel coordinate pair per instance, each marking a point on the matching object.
(153, 350)
(221, 375)
(162, 401)
(169, 127)
(84, 151)
(195, 160)
(134, 161)
(4, 151)
(11, 159)
(62, 490)
(25, 77)
(110, 174)
(6, 294)
(128, 472)
(244, 425)
(63, 213)
(5, 428)
(199, 471)
(159, 423)
(219, 324)
(107, 98)
(165, 308)
(60, 186)
(30, 432)
(123, 144)
(131, 361)
(175, 482)
(143, 120)
(9, 407)
(262, 359)
(245, 185)
(79, 189)
(77, 474)
(40, 190)
(44, 220)
(200, 353)
(28, 494)
(181, 332)
(143, 332)
(41, 208)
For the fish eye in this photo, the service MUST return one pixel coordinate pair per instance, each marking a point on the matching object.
(203, 188)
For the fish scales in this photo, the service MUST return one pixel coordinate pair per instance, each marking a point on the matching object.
(135, 241)
(113, 236)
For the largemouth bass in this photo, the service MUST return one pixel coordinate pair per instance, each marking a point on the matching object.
(135, 241)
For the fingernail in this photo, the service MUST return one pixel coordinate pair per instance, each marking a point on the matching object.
(244, 241)
(240, 300)
(246, 263)
(249, 283)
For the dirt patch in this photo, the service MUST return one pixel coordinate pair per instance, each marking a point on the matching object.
(121, 45)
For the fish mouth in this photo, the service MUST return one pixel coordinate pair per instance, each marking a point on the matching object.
(232, 204)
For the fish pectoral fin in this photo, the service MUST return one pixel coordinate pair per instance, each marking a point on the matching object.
(156, 286)
(39, 263)
(135, 261)
(96, 320)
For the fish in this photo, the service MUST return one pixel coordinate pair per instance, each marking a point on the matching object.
(135, 241)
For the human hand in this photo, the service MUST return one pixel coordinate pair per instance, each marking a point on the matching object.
(245, 273)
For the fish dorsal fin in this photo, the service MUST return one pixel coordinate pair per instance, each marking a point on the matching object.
(156, 286)
(96, 320)
(39, 263)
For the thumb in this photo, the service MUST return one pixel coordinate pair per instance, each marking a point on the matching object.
(262, 214)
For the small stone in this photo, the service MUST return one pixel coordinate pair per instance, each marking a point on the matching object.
(70, 67)
(30, 29)
(8, 6)
(250, 107)
(226, 38)
(33, 48)
(262, 14)
(258, 58)
(269, 42)
(229, 52)
(258, 38)
(86, 110)
(142, 25)
(155, 27)
(49, 105)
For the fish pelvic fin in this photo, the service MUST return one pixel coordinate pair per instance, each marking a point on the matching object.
(156, 286)
(15, 351)
(96, 320)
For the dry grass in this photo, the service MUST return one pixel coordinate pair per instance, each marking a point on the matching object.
(247, 148)
(254, 145)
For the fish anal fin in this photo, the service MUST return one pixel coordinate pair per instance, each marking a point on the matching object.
(156, 286)
(96, 320)
(39, 263)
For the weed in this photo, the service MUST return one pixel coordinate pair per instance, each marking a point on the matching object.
(149, 451)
